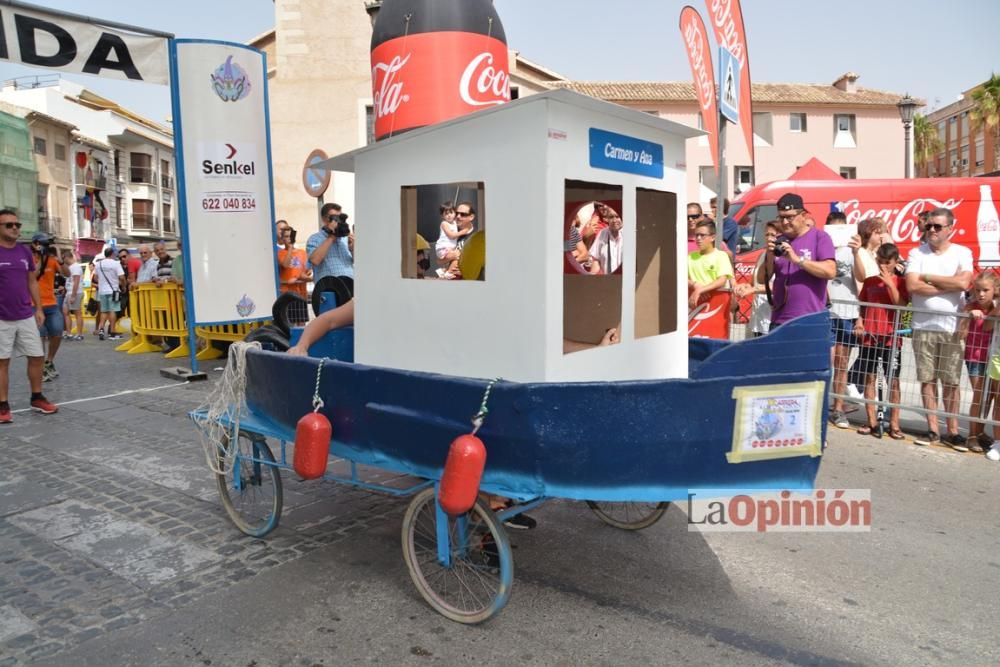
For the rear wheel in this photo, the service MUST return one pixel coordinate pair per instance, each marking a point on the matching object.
(251, 489)
(628, 515)
(475, 580)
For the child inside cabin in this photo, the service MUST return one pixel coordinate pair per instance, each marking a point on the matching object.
(446, 248)
(977, 332)
(875, 327)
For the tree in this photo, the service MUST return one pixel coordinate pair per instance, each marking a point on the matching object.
(985, 113)
(926, 141)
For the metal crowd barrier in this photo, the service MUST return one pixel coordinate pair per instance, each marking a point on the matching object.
(911, 402)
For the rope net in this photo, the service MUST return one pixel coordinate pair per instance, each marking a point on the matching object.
(218, 418)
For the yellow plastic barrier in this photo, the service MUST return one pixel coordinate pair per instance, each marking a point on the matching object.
(158, 311)
(88, 292)
(229, 333)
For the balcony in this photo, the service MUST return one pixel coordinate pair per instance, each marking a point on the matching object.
(100, 230)
(142, 175)
(144, 222)
(96, 182)
(167, 182)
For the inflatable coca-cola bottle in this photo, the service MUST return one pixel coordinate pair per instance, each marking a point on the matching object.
(436, 59)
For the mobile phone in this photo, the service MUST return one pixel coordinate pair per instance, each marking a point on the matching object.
(292, 234)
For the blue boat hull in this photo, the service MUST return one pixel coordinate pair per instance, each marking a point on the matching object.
(643, 441)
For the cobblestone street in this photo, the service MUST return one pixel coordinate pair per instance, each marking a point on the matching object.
(115, 550)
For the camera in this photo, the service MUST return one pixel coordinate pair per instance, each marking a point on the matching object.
(778, 250)
(342, 228)
(292, 234)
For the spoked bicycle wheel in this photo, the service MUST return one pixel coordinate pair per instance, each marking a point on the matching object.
(628, 515)
(251, 490)
(475, 582)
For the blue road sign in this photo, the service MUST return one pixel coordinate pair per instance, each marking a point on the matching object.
(729, 85)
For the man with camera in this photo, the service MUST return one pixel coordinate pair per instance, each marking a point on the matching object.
(802, 260)
(330, 249)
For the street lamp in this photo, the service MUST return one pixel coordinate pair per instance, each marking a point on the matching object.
(907, 106)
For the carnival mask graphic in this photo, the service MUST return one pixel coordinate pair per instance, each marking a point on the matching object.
(245, 306)
(230, 81)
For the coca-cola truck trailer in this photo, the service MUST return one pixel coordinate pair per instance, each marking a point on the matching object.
(897, 201)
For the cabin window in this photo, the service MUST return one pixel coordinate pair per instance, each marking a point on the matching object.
(655, 262)
(443, 231)
(593, 253)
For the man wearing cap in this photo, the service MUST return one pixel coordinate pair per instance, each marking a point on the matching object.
(802, 261)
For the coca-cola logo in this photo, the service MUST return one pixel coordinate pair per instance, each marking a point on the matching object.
(696, 48)
(482, 84)
(388, 90)
(901, 222)
(725, 28)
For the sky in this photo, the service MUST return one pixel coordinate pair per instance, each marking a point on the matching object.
(931, 49)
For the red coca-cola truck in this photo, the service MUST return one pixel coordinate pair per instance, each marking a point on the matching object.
(974, 202)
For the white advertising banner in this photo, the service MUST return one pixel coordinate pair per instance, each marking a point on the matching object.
(68, 44)
(223, 155)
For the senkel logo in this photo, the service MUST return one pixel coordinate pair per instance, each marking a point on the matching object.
(230, 81)
(228, 160)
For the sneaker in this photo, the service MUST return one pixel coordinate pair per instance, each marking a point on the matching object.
(520, 522)
(42, 405)
(5, 416)
(100, 334)
(994, 453)
(115, 336)
(972, 445)
(51, 368)
(929, 438)
(839, 419)
(852, 391)
(985, 442)
(956, 442)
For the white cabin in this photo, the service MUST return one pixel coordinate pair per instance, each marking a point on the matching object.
(528, 168)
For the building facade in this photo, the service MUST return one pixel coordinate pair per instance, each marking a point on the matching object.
(120, 166)
(856, 131)
(964, 151)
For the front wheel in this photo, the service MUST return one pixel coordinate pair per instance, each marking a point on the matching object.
(628, 515)
(468, 577)
(251, 489)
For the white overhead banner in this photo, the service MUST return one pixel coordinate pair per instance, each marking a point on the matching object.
(223, 157)
(66, 43)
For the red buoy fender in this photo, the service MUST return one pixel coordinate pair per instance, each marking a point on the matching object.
(312, 445)
(463, 471)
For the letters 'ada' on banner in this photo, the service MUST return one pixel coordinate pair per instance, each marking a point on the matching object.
(726, 18)
(700, 56)
(223, 155)
(64, 43)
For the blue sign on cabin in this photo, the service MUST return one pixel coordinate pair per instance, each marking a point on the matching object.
(619, 152)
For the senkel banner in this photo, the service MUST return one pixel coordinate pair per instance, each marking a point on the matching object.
(223, 157)
(700, 57)
(727, 21)
(68, 43)
(620, 152)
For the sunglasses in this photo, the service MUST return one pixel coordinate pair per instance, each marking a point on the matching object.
(694, 217)
(14, 225)
(464, 214)
(935, 227)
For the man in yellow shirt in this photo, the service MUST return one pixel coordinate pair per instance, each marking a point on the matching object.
(708, 268)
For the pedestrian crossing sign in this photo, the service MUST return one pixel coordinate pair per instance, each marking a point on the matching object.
(729, 85)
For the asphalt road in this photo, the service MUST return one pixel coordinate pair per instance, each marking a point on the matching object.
(114, 550)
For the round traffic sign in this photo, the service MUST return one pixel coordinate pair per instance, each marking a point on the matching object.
(314, 180)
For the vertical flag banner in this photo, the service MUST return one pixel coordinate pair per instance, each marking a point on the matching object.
(727, 21)
(224, 162)
(700, 57)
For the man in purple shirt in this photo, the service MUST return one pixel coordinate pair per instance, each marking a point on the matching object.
(20, 315)
(802, 261)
